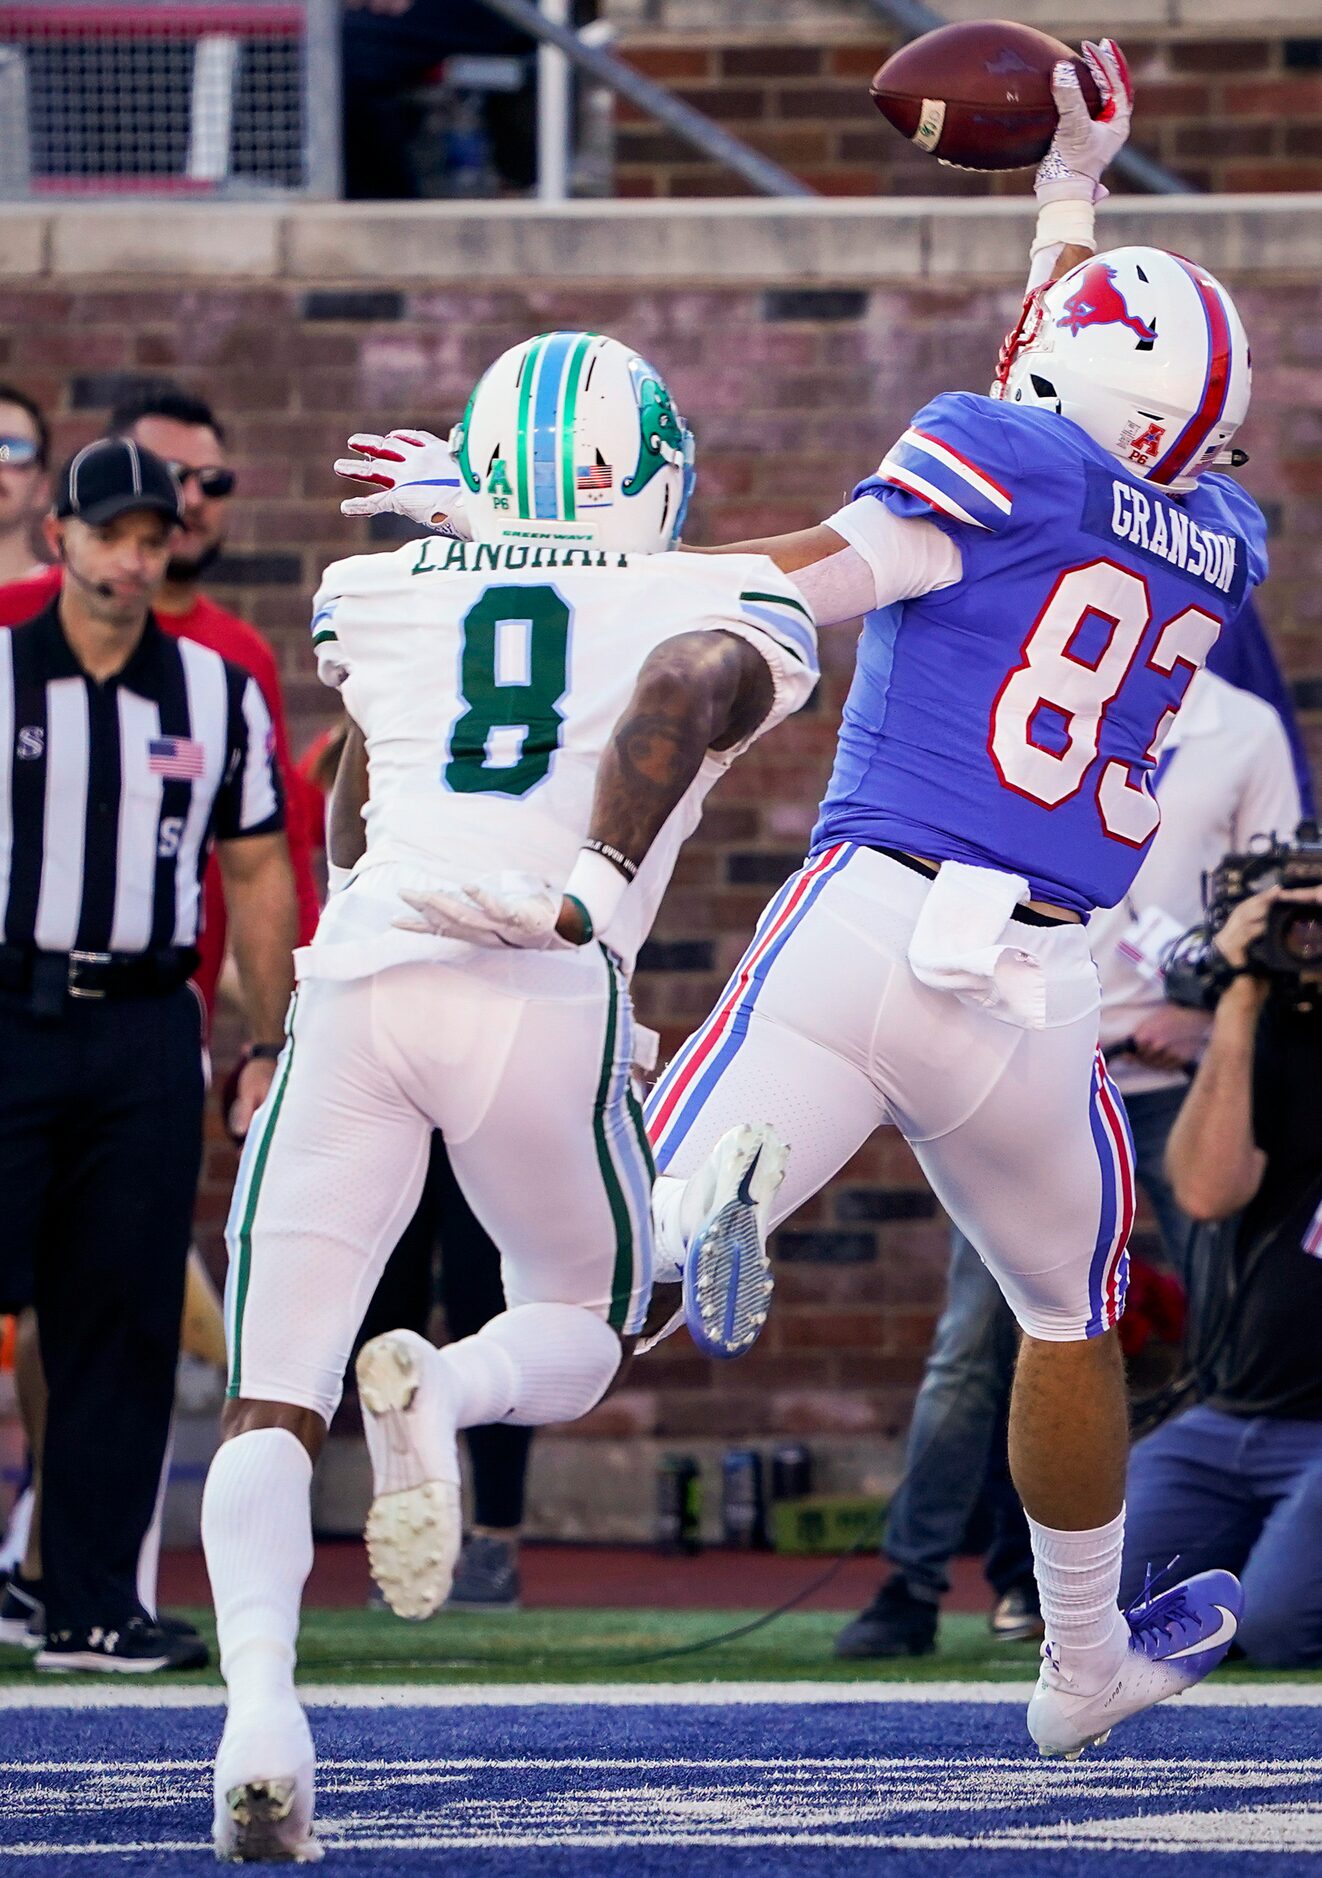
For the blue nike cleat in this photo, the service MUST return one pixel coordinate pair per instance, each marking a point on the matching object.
(727, 1274)
(1175, 1639)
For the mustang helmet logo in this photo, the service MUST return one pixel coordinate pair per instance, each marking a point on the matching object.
(1097, 301)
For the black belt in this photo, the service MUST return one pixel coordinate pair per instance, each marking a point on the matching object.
(51, 977)
(1026, 915)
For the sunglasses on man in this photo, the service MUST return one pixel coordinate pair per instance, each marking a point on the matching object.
(18, 452)
(211, 482)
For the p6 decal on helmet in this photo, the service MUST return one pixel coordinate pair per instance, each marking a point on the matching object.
(572, 437)
(1143, 350)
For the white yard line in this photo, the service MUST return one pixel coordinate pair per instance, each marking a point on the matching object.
(108, 1693)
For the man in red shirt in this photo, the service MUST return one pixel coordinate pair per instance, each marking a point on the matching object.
(185, 431)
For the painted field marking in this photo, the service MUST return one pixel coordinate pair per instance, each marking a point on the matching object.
(39, 1694)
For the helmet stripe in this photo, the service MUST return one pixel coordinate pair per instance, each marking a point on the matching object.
(546, 424)
(1216, 385)
(568, 504)
(523, 447)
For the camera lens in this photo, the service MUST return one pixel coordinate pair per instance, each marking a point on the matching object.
(1301, 936)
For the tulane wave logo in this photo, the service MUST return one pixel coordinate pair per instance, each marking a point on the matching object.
(662, 437)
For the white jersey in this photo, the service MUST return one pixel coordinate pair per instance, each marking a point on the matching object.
(487, 681)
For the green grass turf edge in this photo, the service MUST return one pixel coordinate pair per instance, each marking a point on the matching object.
(573, 1646)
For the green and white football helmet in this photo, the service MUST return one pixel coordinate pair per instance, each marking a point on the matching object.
(571, 437)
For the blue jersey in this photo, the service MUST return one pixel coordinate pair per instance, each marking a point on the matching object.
(1013, 720)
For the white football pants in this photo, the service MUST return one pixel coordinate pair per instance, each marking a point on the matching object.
(825, 1033)
(533, 1096)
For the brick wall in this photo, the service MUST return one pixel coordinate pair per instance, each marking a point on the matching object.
(1226, 114)
(794, 392)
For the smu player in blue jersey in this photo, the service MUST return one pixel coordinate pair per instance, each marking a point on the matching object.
(1041, 572)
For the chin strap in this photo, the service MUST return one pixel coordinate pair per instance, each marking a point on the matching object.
(1022, 334)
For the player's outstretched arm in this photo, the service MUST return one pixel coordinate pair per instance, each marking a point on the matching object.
(1068, 185)
(697, 692)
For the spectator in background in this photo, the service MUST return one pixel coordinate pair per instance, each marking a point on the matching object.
(183, 429)
(1237, 1480)
(389, 48)
(1226, 774)
(24, 481)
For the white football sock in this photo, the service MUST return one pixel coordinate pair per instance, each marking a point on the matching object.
(535, 1364)
(669, 1244)
(257, 1536)
(1078, 1581)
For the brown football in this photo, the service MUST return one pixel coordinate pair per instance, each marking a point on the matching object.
(978, 95)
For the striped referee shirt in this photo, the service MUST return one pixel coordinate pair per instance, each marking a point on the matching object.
(111, 792)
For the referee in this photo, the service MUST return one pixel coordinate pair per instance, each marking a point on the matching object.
(124, 754)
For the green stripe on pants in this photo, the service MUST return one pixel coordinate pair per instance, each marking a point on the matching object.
(622, 1278)
(250, 1201)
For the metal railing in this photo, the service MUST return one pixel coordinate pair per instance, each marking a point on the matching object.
(543, 25)
(235, 98)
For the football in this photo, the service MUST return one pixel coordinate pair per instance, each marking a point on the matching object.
(978, 96)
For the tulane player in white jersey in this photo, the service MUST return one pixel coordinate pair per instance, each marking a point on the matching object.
(543, 710)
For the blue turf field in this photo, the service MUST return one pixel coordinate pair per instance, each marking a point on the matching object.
(652, 1789)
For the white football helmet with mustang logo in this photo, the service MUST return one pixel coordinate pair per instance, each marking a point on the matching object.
(1142, 349)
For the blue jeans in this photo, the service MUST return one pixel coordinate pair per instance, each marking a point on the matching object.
(961, 1406)
(1244, 1494)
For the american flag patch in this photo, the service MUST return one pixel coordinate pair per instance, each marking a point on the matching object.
(176, 757)
(1312, 1241)
(594, 486)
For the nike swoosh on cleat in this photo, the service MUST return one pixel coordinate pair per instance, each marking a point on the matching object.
(1224, 1633)
(745, 1185)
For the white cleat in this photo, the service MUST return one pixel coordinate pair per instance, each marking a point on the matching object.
(727, 1275)
(266, 1818)
(1174, 1641)
(415, 1527)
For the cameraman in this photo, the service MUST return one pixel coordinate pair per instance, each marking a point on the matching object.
(1237, 1480)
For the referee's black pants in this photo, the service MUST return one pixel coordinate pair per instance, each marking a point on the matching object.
(100, 1145)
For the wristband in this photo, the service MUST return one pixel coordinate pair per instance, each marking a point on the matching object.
(337, 878)
(1069, 224)
(627, 867)
(263, 1052)
(598, 886)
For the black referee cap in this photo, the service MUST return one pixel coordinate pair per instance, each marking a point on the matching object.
(111, 477)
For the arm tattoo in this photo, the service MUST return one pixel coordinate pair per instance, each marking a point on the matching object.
(653, 757)
(696, 692)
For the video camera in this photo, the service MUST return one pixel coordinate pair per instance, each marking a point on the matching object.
(1195, 973)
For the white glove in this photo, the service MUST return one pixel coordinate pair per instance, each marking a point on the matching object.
(1084, 146)
(416, 475)
(507, 909)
